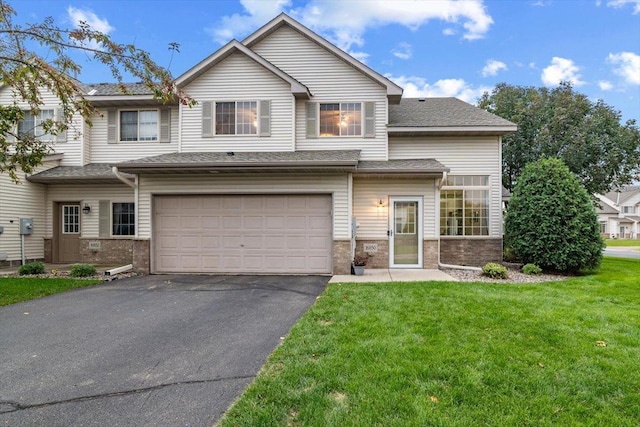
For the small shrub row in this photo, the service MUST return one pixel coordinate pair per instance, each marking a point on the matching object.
(495, 271)
(531, 269)
(82, 270)
(35, 267)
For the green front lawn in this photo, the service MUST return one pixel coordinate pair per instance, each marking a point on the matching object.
(622, 242)
(16, 289)
(458, 354)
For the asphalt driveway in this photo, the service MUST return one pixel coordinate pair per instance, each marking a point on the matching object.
(155, 350)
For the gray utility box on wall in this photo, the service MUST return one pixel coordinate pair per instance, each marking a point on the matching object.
(26, 226)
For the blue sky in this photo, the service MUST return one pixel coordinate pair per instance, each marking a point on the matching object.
(431, 48)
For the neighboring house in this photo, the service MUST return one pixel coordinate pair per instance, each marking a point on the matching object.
(295, 156)
(619, 213)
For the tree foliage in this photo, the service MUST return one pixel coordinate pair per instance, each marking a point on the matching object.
(30, 75)
(551, 220)
(588, 136)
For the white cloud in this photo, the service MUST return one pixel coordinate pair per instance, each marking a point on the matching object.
(493, 67)
(417, 87)
(561, 69)
(257, 12)
(605, 85)
(403, 51)
(78, 15)
(449, 32)
(345, 27)
(532, 65)
(87, 16)
(620, 3)
(626, 65)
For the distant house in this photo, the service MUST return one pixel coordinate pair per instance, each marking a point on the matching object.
(619, 213)
(295, 156)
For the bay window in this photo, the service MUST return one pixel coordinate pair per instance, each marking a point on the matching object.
(464, 206)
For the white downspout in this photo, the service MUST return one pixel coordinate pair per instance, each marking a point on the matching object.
(440, 264)
(118, 175)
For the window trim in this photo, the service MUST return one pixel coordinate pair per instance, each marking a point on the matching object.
(137, 141)
(461, 187)
(362, 119)
(111, 218)
(235, 134)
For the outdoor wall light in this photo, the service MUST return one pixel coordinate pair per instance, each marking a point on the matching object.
(380, 204)
(86, 209)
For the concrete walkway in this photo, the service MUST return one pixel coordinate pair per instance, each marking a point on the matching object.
(394, 275)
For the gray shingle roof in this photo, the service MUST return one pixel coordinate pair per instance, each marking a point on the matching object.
(111, 89)
(441, 112)
(604, 208)
(402, 166)
(92, 172)
(625, 194)
(245, 158)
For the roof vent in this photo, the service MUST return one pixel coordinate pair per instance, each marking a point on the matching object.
(421, 99)
(230, 153)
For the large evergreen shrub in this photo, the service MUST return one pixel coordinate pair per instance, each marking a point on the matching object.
(551, 220)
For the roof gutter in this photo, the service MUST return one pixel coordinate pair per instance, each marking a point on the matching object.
(118, 175)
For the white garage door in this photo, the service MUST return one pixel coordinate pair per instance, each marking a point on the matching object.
(242, 234)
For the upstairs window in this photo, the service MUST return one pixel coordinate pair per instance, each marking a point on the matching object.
(464, 206)
(139, 125)
(31, 125)
(341, 119)
(236, 118)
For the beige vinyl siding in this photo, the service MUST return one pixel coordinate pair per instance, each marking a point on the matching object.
(374, 221)
(330, 80)
(90, 194)
(464, 156)
(23, 200)
(72, 148)
(252, 184)
(238, 78)
(103, 152)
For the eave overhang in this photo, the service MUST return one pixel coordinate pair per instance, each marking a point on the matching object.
(321, 162)
(95, 173)
(451, 130)
(125, 100)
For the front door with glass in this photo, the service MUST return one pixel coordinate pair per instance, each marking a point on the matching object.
(405, 232)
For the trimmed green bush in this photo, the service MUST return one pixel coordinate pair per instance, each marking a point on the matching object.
(82, 270)
(495, 271)
(551, 220)
(35, 267)
(531, 269)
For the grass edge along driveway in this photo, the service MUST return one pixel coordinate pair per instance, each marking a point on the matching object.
(18, 289)
(446, 353)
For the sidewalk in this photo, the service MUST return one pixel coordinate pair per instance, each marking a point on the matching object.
(394, 275)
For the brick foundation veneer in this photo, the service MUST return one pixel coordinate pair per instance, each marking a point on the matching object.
(48, 250)
(475, 252)
(112, 251)
(341, 257)
(430, 254)
(142, 256)
(379, 259)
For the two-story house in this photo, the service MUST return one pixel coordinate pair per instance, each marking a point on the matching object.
(619, 213)
(296, 156)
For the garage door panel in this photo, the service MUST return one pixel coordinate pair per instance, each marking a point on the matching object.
(243, 233)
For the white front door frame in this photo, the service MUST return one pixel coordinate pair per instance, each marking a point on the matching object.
(418, 229)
